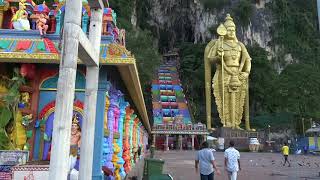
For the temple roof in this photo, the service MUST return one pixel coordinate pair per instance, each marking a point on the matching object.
(30, 48)
(27, 47)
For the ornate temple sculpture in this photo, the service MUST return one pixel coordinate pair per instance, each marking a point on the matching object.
(75, 141)
(230, 82)
(20, 18)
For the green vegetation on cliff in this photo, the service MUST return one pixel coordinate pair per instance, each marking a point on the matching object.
(295, 30)
(276, 98)
(283, 90)
(140, 42)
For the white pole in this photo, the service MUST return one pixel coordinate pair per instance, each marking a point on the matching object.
(59, 164)
(92, 78)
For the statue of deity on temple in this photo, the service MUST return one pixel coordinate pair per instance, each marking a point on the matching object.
(75, 141)
(20, 18)
(230, 81)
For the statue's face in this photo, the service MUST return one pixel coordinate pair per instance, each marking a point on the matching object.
(74, 128)
(231, 32)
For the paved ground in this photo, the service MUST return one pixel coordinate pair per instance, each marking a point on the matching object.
(255, 166)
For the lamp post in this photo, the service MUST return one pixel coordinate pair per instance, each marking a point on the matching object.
(269, 132)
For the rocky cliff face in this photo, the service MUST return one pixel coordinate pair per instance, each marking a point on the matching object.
(188, 20)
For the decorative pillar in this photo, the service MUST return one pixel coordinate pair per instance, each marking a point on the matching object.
(105, 147)
(1, 14)
(145, 140)
(99, 135)
(134, 141)
(139, 145)
(123, 105)
(192, 141)
(126, 140)
(166, 147)
(116, 148)
(111, 119)
(180, 141)
(142, 140)
(133, 116)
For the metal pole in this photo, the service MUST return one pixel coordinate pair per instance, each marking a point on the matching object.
(222, 82)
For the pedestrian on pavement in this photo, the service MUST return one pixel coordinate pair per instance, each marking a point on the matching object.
(285, 152)
(305, 149)
(232, 161)
(207, 164)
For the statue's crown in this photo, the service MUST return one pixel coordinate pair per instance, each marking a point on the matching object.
(229, 22)
(75, 119)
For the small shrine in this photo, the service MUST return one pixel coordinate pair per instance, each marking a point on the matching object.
(30, 50)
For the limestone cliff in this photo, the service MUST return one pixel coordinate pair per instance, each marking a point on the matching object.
(190, 20)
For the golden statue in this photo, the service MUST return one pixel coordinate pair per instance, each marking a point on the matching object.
(230, 82)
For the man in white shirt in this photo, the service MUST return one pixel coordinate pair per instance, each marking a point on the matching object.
(205, 159)
(232, 161)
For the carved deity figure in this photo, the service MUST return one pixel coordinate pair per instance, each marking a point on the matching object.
(75, 141)
(20, 18)
(230, 82)
(42, 24)
(25, 97)
(75, 136)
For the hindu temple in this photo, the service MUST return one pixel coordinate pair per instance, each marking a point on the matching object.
(30, 48)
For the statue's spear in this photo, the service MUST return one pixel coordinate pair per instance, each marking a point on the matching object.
(222, 31)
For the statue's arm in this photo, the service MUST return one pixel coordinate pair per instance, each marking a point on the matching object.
(213, 56)
(211, 52)
(247, 62)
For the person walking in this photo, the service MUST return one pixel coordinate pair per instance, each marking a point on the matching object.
(285, 152)
(232, 161)
(206, 162)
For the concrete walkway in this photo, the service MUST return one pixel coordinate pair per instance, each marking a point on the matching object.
(137, 170)
(255, 166)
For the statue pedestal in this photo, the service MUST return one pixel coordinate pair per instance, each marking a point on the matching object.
(240, 137)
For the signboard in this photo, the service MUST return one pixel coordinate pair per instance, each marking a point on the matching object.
(5, 172)
(30, 172)
(12, 158)
(5, 175)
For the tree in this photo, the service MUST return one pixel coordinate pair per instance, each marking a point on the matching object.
(261, 82)
(299, 86)
(9, 111)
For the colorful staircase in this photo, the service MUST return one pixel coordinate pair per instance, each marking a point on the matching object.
(168, 99)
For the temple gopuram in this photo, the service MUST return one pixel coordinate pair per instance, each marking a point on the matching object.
(30, 51)
(172, 127)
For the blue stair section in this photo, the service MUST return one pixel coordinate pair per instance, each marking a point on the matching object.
(169, 102)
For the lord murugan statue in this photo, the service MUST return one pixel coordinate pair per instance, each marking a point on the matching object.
(230, 82)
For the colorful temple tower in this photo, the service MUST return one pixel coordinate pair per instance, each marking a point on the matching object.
(29, 67)
(170, 109)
